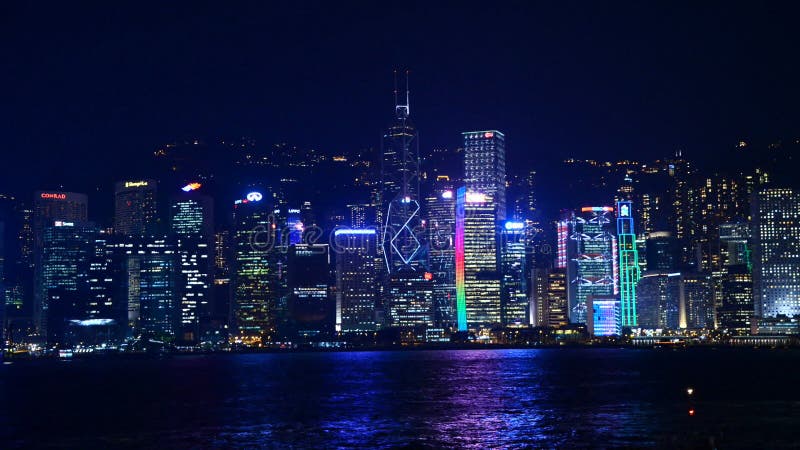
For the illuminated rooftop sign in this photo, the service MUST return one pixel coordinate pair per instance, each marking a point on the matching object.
(353, 231)
(597, 209)
(191, 187)
(515, 225)
(488, 134)
(130, 184)
(254, 197)
(53, 196)
(447, 194)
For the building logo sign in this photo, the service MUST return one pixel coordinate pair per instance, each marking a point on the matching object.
(254, 197)
(53, 196)
(624, 209)
(135, 184)
(191, 187)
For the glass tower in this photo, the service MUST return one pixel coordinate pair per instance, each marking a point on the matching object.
(477, 276)
(356, 292)
(776, 258)
(629, 272)
(590, 256)
(485, 166)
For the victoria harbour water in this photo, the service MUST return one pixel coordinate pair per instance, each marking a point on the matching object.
(448, 398)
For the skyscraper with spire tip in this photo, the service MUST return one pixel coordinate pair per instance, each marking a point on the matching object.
(407, 295)
(400, 190)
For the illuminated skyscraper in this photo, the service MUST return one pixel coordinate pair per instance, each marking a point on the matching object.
(356, 290)
(556, 304)
(410, 296)
(629, 272)
(485, 166)
(776, 255)
(49, 207)
(255, 275)
(67, 249)
(192, 223)
(477, 276)
(661, 301)
(515, 304)
(135, 211)
(440, 206)
(699, 299)
(590, 256)
(400, 192)
(157, 265)
(736, 313)
(606, 316)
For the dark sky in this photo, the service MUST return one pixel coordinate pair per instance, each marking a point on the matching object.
(90, 86)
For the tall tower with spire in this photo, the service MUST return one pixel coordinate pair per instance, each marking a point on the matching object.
(408, 287)
(400, 164)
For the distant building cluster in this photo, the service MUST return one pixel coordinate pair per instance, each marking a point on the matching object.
(429, 253)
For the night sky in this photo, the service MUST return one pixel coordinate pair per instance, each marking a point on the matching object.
(89, 86)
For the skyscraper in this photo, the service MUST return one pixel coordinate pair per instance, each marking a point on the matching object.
(699, 299)
(515, 304)
(661, 301)
(776, 255)
(135, 211)
(485, 166)
(477, 276)
(312, 309)
(629, 272)
(440, 205)
(192, 223)
(400, 174)
(155, 267)
(736, 312)
(255, 275)
(67, 248)
(49, 207)
(606, 316)
(356, 290)
(590, 255)
(556, 303)
(410, 296)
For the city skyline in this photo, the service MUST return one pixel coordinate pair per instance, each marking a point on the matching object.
(360, 224)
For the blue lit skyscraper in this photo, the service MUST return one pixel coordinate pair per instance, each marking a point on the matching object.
(513, 269)
(605, 318)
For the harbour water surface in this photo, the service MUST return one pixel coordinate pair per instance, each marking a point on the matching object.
(448, 398)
